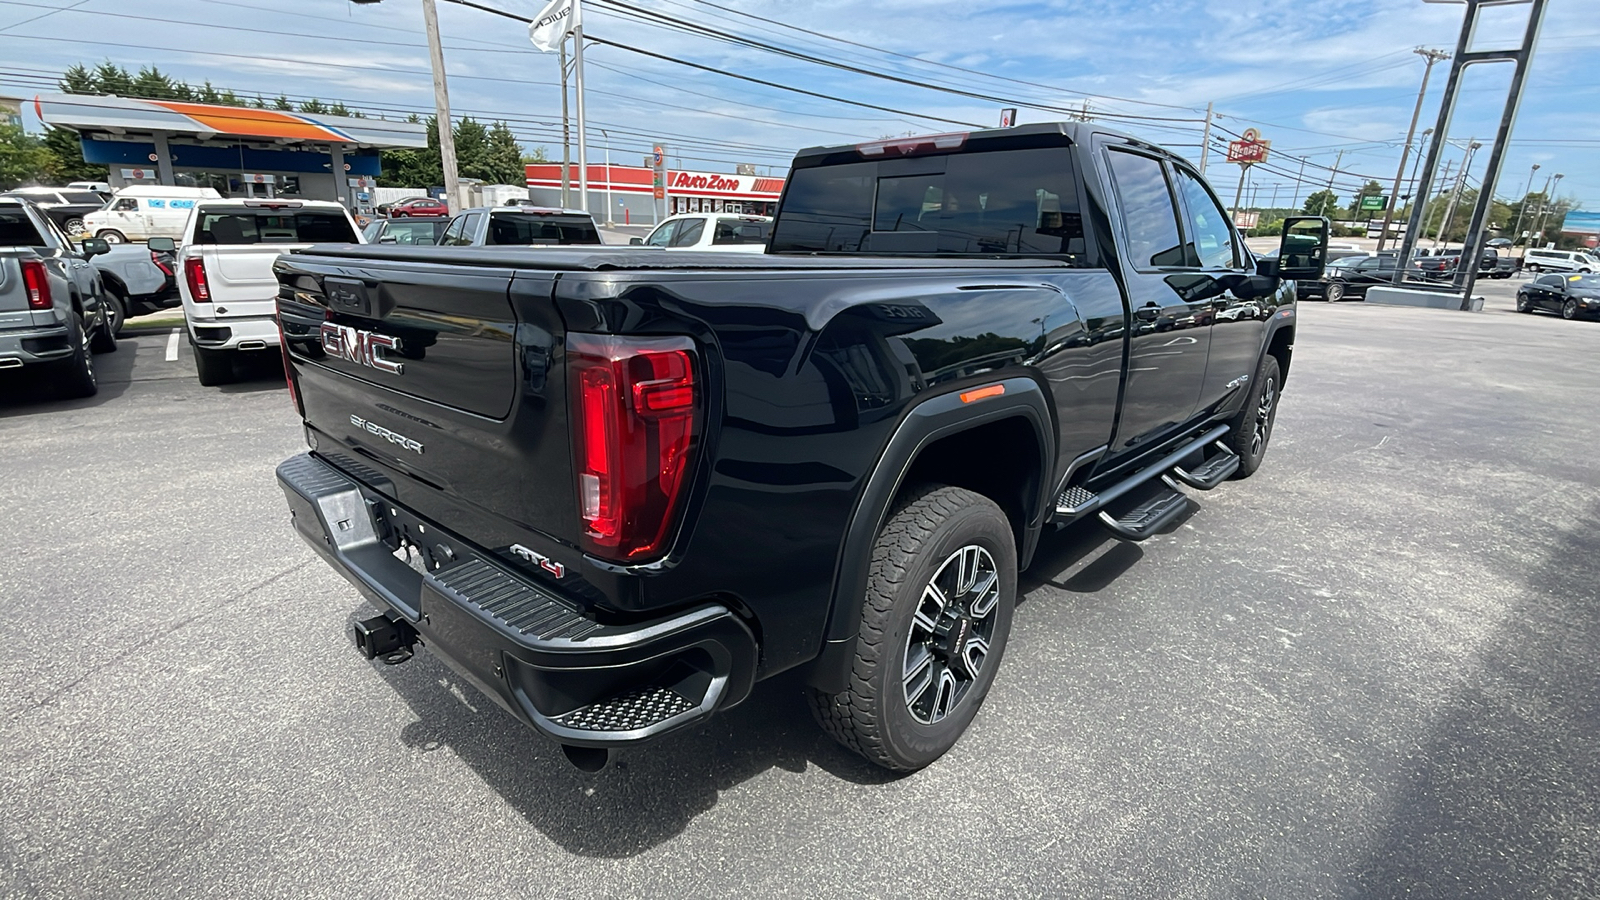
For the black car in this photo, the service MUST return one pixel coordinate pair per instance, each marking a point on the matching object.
(1349, 278)
(1573, 296)
(64, 207)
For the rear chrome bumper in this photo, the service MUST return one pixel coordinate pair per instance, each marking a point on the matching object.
(537, 653)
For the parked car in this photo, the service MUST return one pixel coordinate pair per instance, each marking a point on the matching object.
(65, 207)
(613, 487)
(520, 226)
(143, 211)
(1559, 261)
(52, 318)
(138, 279)
(1442, 266)
(1349, 277)
(711, 231)
(1573, 296)
(410, 232)
(416, 207)
(103, 188)
(228, 287)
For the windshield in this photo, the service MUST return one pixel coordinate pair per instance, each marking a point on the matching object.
(246, 225)
(518, 228)
(1001, 202)
(1586, 282)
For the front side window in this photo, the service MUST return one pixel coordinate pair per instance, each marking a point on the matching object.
(1149, 219)
(127, 204)
(1210, 238)
(689, 232)
(662, 236)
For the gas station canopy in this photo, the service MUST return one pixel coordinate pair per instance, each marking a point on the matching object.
(164, 136)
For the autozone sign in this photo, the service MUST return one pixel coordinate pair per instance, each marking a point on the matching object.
(1249, 149)
(688, 180)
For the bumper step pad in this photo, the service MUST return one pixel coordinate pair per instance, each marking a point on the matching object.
(632, 711)
(518, 605)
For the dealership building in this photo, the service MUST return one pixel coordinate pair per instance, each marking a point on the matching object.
(629, 192)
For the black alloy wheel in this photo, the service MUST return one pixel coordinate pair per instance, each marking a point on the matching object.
(934, 621)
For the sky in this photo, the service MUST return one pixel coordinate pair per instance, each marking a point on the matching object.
(1315, 78)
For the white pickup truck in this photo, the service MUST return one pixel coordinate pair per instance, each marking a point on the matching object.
(229, 292)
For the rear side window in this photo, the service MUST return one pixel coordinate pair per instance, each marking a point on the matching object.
(992, 203)
(516, 228)
(245, 225)
(1149, 219)
(17, 231)
(741, 233)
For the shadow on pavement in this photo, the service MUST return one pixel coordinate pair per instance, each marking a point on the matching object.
(1505, 799)
(29, 391)
(647, 795)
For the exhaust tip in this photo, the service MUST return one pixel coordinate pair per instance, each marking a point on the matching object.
(587, 759)
(252, 345)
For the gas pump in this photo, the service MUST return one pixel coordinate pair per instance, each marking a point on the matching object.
(362, 191)
(258, 187)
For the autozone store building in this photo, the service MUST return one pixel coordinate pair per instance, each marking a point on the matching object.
(632, 197)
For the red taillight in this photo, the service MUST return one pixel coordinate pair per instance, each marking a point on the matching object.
(158, 262)
(288, 371)
(36, 283)
(911, 146)
(634, 406)
(194, 272)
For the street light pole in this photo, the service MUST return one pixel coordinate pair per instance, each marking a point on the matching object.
(1550, 184)
(1432, 56)
(1461, 185)
(610, 223)
(1522, 208)
(441, 103)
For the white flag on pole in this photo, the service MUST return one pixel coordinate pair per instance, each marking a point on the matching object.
(553, 24)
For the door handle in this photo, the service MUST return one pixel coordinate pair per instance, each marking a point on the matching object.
(1148, 313)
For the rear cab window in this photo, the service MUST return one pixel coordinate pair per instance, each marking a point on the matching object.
(983, 202)
(17, 230)
(732, 232)
(255, 225)
(523, 229)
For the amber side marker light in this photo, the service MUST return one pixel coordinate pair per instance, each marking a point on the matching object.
(993, 390)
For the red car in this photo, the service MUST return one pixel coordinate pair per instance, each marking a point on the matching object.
(418, 207)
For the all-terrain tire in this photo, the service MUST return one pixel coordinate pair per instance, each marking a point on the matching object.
(931, 528)
(1251, 429)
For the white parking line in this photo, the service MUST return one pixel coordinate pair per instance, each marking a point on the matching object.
(172, 345)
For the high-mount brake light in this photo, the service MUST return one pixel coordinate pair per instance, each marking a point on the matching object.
(635, 404)
(927, 143)
(274, 204)
(194, 272)
(36, 284)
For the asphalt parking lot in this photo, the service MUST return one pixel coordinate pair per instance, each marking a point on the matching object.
(1371, 670)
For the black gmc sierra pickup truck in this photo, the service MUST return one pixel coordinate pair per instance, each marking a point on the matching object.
(614, 488)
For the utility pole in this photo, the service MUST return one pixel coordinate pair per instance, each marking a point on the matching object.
(1274, 204)
(1544, 208)
(1299, 176)
(1205, 141)
(566, 135)
(577, 73)
(441, 103)
(1432, 56)
(1461, 185)
(1334, 173)
(1522, 208)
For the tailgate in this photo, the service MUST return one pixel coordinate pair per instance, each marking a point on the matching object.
(241, 279)
(441, 378)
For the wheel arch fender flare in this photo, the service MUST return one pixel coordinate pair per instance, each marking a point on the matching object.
(931, 420)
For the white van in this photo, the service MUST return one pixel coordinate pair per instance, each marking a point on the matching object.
(1559, 261)
(140, 212)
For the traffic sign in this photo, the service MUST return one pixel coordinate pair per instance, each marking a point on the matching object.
(1375, 203)
(1249, 149)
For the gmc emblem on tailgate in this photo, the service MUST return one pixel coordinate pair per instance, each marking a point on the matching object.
(361, 347)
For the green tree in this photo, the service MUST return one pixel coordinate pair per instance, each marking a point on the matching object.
(23, 157)
(64, 158)
(537, 156)
(504, 156)
(1322, 203)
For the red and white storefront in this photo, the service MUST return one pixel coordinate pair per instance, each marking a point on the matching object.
(633, 198)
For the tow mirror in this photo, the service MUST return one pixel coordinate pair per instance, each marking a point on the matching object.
(636, 242)
(162, 244)
(1303, 252)
(94, 247)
